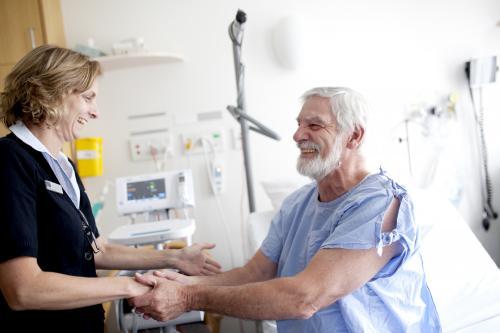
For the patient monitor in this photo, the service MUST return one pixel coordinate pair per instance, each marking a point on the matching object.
(158, 191)
(153, 195)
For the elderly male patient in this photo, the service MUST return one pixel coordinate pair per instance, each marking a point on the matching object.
(342, 253)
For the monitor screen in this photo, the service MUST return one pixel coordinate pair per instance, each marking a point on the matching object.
(149, 189)
(156, 191)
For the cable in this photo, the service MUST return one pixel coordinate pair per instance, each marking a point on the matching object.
(486, 186)
(489, 188)
(153, 150)
(166, 153)
(98, 205)
(120, 315)
(217, 200)
(186, 213)
(408, 147)
(244, 225)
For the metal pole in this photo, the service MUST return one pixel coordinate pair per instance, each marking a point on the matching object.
(239, 70)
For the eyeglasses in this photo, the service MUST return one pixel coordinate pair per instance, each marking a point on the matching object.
(89, 235)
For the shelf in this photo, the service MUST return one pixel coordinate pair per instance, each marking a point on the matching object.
(113, 62)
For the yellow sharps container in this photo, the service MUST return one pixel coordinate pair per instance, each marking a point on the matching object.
(89, 156)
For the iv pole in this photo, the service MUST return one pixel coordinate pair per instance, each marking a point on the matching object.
(239, 112)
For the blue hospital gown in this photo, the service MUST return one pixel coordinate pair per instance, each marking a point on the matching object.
(396, 299)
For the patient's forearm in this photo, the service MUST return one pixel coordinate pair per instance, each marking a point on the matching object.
(233, 277)
(259, 268)
(275, 299)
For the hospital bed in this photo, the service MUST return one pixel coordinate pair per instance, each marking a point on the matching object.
(463, 279)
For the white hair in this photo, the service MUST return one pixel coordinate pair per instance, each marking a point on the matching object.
(348, 106)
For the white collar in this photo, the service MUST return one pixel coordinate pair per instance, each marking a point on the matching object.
(25, 135)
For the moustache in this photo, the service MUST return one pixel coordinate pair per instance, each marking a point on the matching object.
(308, 145)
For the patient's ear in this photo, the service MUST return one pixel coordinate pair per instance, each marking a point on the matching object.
(356, 138)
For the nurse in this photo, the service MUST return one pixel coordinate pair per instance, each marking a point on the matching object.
(50, 247)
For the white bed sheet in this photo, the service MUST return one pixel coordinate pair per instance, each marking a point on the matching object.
(491, 325)
(463, 279)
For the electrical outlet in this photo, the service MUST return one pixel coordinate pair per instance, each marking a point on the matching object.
(192, 143)
(149, 147)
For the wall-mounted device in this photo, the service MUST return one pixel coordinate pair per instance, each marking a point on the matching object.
(192, 143)
(481, 71)
(216, 176)
(150, 146)
(164, 190)
(89, 156)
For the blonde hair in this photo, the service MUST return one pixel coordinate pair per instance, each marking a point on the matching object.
(38, 83)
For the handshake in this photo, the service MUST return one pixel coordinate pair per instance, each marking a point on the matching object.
(162, 294)
(167, 295)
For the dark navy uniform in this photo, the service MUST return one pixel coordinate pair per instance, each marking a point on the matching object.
(42, 223)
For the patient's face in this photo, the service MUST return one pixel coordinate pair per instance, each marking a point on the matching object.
(318, 139)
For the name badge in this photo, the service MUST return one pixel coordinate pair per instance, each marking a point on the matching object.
(53, 187)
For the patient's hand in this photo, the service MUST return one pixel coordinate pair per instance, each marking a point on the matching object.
(194, 260)
(167, 299)
(173, 276)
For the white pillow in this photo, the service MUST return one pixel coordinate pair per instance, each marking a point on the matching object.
(278, 190)
(258, 227)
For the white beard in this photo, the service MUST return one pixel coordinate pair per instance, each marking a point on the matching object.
(318, 168)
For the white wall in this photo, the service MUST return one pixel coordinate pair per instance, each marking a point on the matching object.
(395, 52)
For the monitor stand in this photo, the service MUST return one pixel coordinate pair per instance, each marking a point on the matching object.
(151, 233)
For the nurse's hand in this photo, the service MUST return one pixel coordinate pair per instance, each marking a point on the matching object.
(174, 276)
(137, 288)
(195, 260)
(167, 300)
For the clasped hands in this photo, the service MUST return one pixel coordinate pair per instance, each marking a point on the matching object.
(168, 296)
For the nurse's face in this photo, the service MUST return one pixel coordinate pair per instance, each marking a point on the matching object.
(78, 109)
